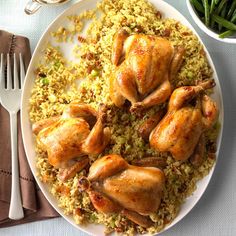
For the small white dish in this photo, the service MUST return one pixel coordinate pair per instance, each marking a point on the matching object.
(168, 12)
(203, 27)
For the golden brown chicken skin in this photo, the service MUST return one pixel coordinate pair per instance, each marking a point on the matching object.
(69, 138)
(145, 66)
(190, 113)
(114, 186)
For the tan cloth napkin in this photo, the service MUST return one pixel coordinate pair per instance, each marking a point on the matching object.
(36, 207)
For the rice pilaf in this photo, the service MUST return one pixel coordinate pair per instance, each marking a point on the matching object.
(56, 84)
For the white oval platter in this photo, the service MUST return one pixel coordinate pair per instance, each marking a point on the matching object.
(168, 12)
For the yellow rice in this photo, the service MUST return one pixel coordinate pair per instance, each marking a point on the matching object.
(56, 84)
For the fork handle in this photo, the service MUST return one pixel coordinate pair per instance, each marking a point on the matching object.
(16, 209)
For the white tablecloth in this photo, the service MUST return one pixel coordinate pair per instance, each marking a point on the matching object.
(215, 213)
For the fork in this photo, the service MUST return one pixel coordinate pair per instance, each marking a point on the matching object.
(10, 96)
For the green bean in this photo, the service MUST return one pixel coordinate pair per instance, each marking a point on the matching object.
(227, 24)
(212, 6)
(198, 5)
(207, 12)
(231, 10)
(222, 14)
(227, 33)
(218, 11)
(220, 7)
(233, 18)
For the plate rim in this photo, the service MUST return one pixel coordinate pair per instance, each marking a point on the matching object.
(25, 113)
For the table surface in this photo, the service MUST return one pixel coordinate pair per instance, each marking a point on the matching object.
(215, 213)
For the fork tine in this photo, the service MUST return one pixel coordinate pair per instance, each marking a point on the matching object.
(22, 71)
(15, 77)
(2, 77)
(9, 78)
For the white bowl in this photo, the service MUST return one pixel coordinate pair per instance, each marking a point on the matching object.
(168, 12)
(203, 27)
